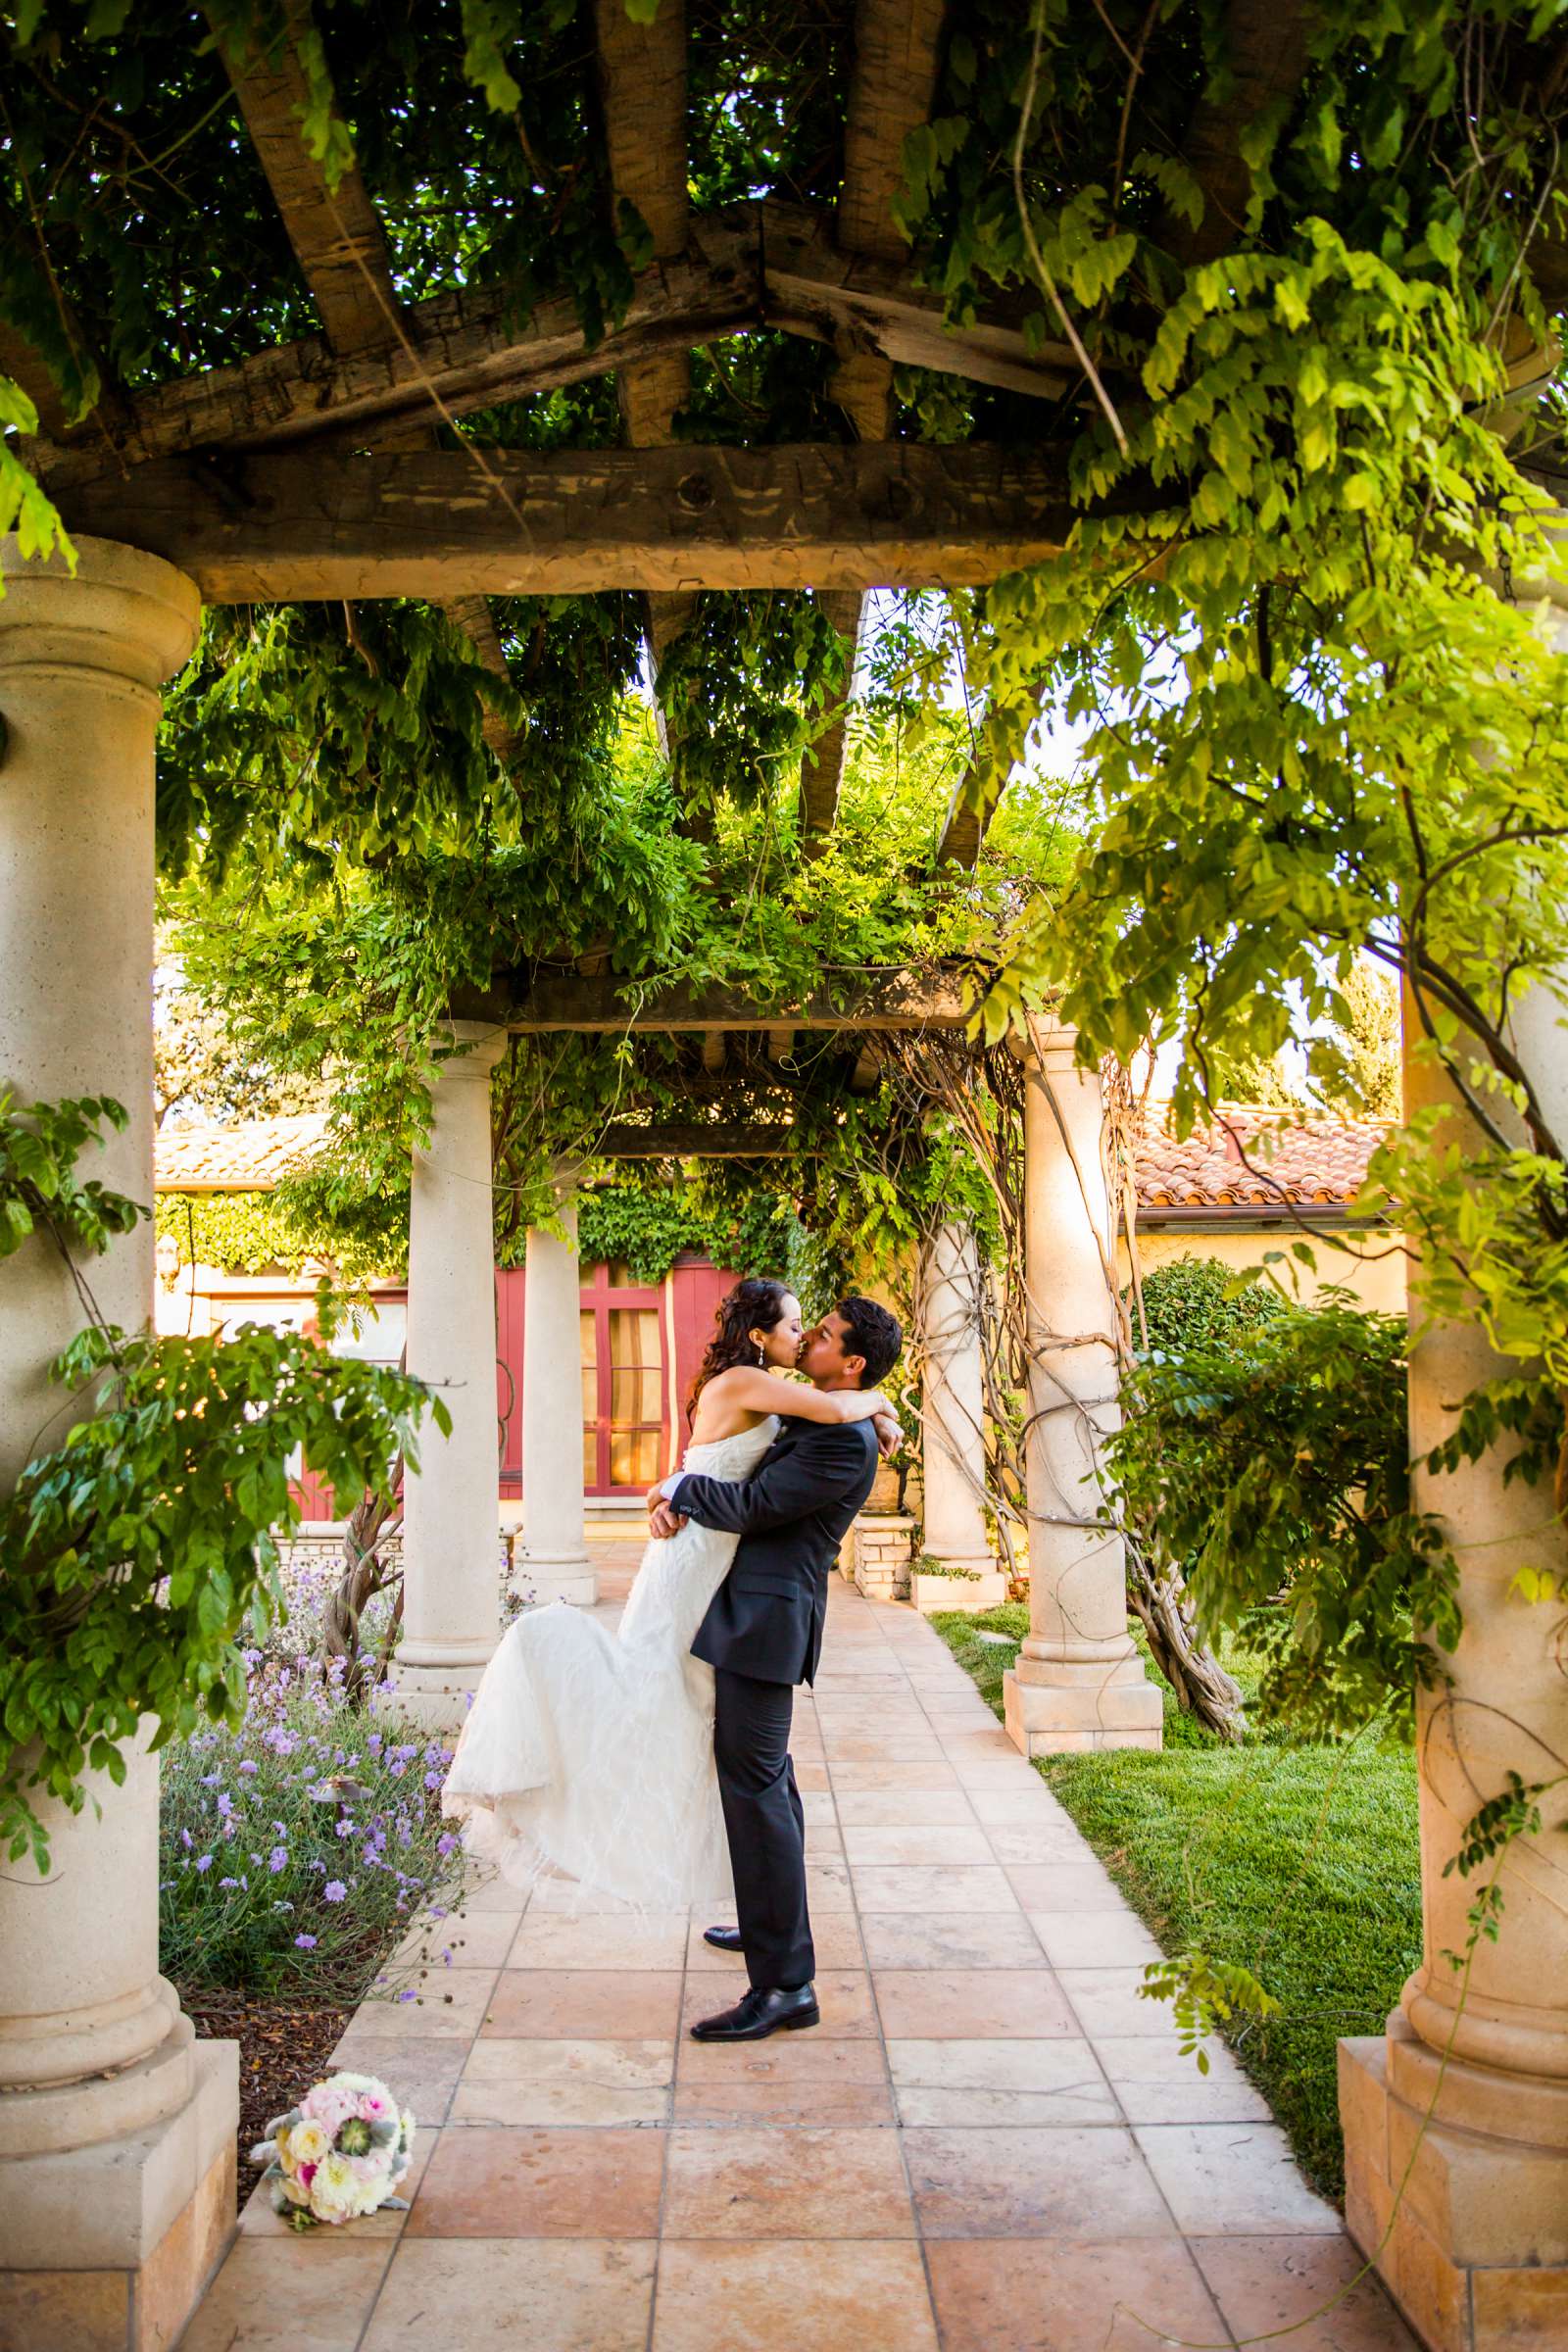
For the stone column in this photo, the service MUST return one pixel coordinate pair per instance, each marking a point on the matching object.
(1456, 2119)
(1079, 1681)
(115, 2126)
(553, 1562)
(451, 1505)
(953, 1459)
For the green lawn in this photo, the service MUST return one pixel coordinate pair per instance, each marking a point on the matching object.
(1301, 1861)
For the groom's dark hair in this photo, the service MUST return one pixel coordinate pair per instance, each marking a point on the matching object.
(874, 1334)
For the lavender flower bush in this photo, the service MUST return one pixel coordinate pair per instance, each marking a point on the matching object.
(297, 1842)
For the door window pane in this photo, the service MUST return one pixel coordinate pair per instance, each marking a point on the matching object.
(636, 1395)
(634, 1457)
(587, 1340)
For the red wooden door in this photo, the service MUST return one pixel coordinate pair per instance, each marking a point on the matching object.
(626, 1383)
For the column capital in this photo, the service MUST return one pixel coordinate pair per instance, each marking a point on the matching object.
(121, 610)
(1049, 1043)
(476, 1047)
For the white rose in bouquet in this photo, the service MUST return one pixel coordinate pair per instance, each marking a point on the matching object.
(339, 2154)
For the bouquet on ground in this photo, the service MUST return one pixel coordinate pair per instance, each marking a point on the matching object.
(340, 2152)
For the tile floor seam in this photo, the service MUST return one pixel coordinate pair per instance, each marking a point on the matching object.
(393, 2243)
(669, 2133)
(964, 1757)
(1178, 2234)
(368, 2322)
(898, 2124)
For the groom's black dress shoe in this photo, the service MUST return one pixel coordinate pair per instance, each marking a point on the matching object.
(724, 1939)
(765, 2009)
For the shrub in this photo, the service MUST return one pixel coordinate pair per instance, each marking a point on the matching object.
(1189, 1302)
(1275, 1462)
(297, 1841)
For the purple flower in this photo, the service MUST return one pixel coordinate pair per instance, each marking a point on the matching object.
(185, 1840)
(225, 1803)
(335, 1892)
(229, 1882)
(305, 1943)
(249, 1765)
(432, 1780)
(445, 1843)
(204, 1861)
(277, 1859)
(211, 1780)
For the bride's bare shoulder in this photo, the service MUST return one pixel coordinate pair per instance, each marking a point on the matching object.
(727, 1405)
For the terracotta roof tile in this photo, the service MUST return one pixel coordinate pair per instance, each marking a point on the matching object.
(1310, 1160)
(250, 1157)
(1271, 1156)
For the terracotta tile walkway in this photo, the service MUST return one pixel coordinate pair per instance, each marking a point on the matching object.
(989, 2145)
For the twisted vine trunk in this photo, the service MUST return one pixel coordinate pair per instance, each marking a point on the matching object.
(373, 1524)
(1159, 1600)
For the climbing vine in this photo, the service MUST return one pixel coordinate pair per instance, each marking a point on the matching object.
(140, 1546)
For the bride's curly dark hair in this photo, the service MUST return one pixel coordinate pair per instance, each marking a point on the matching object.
(755, 1305)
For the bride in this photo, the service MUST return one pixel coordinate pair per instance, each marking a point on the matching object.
(589, 1753)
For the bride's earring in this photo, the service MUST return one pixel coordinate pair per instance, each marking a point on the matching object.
(762, 1357)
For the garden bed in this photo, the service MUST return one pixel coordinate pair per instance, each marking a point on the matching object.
(1299, 1860)
(297, 1845)
(283, 2047)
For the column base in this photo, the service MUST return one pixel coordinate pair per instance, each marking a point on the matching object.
(108, 2248)
(977, 1583)
(1087, 1709)
(436, 1699)
(1473, 2244)
(544, 1576)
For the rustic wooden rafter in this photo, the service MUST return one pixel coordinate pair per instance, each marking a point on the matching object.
(642, 90)
(892, 84)
(335, 231)
(968, 818)
(26, 366)
(1265, 57)
(287, 529)
(730, 1140)
(341, 249)
(749, 265)
(551, 1003)
(975, 799)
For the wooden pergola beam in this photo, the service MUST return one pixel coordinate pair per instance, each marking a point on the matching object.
(760, 1140)
(335, 232)
(892, 84)
(287, 529)
(822, 760)
(1264, 60)
(642, 91)
(974, 802)
(551, 1003)
(468, 350)
(341, 249)
(967, 821)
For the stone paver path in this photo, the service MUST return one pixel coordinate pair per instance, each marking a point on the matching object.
(989, 2145)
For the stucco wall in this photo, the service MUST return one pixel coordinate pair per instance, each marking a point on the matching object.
(1376, 1274)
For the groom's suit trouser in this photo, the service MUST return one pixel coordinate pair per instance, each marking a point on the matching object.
(766, 1826)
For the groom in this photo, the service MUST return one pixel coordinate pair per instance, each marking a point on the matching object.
(762, 1634)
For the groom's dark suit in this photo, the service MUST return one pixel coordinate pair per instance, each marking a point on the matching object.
(762, 1635)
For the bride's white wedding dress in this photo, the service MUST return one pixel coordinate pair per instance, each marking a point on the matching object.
(589, 1753)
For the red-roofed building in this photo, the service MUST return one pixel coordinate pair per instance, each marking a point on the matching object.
(1252, 1182)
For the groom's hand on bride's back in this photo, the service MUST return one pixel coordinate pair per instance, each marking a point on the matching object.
(663, 1522)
